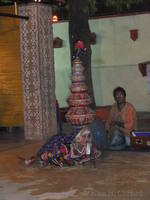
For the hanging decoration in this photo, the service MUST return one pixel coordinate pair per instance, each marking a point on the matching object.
(134, 34)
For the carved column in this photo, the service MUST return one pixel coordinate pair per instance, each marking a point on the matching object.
(37, 60)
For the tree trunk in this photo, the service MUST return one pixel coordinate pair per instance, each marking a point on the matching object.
(79, 30)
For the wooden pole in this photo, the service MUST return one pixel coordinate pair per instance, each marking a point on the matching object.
(16, 9)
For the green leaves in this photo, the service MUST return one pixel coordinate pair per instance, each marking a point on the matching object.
(121, 4)
(92, 6)
(6, 1)
(90, 9)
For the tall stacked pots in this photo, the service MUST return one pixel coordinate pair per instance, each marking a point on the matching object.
(79, 113)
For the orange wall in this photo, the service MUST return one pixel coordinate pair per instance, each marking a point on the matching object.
(11, 104)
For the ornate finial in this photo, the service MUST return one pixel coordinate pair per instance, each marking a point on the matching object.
(79, 49)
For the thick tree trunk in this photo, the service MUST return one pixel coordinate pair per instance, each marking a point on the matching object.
(79, 30)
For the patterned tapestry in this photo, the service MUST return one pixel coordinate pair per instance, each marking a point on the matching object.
(37, 60)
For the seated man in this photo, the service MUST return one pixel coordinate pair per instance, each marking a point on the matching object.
(122, 119)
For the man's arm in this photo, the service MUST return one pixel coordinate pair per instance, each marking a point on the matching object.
(109, 120)
(130, 121)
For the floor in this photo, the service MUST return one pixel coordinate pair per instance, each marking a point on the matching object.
(123, 175)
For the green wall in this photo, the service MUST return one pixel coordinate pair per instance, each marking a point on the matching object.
(62, 63)
(115, 59)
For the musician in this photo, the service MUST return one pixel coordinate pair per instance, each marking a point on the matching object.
(122, 119)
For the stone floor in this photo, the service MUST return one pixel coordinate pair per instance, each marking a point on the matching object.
(123, 175)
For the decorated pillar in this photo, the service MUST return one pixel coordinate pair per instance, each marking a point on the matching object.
(37, 61)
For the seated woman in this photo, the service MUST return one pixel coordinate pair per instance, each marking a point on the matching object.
(122, 119)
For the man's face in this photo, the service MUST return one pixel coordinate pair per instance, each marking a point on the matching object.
(119, 97)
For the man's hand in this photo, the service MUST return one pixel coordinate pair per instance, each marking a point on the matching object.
(115, 123)
(117, 127)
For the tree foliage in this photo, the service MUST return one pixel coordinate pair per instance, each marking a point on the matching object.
(91, 8)
(122, 4)
(5, 1)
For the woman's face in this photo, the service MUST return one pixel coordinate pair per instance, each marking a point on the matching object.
(119, 97)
